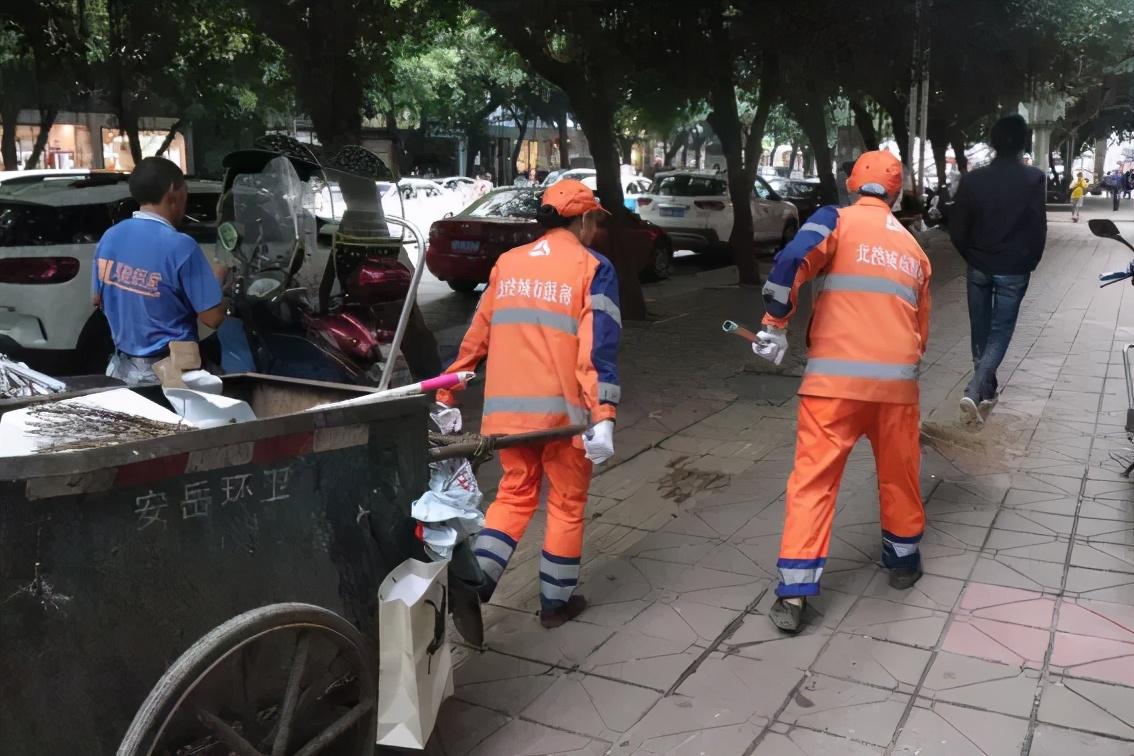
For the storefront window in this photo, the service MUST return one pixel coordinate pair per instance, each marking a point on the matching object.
(68, 146)
(116, 148)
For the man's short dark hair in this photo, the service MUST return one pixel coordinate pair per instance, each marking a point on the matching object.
(1011, 136)
(152, 178)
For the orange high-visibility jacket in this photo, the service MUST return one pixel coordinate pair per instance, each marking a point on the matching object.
(549, 324)
(870, 323)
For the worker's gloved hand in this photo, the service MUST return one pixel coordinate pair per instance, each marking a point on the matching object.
(598, 442)
(771, 344)
(448, 418)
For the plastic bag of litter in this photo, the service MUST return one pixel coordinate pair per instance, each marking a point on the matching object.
(450, 510)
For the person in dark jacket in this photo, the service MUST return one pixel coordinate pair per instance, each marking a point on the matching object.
(999, 225)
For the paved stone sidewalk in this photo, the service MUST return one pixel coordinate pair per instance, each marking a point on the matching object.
(1019, 639)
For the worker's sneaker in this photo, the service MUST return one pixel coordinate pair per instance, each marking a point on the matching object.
(787, 614)
(550, 618)
(970, 412)
(984, 409)
(904, 577)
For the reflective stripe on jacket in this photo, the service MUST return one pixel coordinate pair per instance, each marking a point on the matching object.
(549, 324)
(870, 322)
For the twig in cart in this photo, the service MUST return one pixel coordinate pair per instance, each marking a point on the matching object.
(74, 427)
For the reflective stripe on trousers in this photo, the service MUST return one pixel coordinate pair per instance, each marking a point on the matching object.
(493, 550)
(558, 577)
(799, 577)
(536, 405)
(868, 284)
(900, 551)
(882, 371)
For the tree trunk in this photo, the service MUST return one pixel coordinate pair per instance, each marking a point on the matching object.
(46, 121)
(129, 124)
(792, 157)
(957, 141)
(176, 127)
(896, 109)
(865, 124)
(938, 143)
(678, 143)
(813, 120)
(725, 121)
(626, 149)
(521, 130)
(564, 141)
(9, 116)
(772, 155)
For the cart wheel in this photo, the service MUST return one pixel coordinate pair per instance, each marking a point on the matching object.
(282, 680)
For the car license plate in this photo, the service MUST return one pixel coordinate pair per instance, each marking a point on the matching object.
(465, 245)
(672, 212)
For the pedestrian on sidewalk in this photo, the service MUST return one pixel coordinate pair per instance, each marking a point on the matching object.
(549, 325)
(999, 225)
(867, 335)
(1113, 183)
(1078, 191)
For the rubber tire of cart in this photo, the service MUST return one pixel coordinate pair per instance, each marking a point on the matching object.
(165, 697)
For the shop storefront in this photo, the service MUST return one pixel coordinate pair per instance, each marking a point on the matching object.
(92, 140)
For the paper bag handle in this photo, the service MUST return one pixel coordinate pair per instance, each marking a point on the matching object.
(438, 627)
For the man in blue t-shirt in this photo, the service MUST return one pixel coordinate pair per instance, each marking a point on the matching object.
(152, 282)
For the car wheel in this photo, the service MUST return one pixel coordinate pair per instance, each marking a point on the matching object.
(661, 265)
(95, 346)
(463, 287)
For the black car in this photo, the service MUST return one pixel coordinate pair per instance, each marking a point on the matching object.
(803, 193)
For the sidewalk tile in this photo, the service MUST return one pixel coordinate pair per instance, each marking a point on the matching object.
(802, 742)
(460, 727)
(1097, 707)
(520, 738)
(719, 741)
(827, 610)
(1034, 522)
(945, 730)
(997, 641)
(502, 682)
(1056, 741)
(1014, 572)
(796, 651)
(873, 662)
(1003, 688)
(591, 706)
(1099, 585)
(1094, 658)
(1099, 619)
(947, 561)
(1012, 605)
(930, 592)
(846, 709)
(657, 672)
(884, 620)
(521, 635)
(1103, 556)
(1044, 548)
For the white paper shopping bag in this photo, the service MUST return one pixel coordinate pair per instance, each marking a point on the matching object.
(415, 664)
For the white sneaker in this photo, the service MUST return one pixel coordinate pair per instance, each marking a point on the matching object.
(970, 413)
(984, 409)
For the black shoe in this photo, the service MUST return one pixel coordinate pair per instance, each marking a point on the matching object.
(552, 618)
(904, 577)
(787, 617)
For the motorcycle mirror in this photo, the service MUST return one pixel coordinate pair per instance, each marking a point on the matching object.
(229, 237)
(1104, 227)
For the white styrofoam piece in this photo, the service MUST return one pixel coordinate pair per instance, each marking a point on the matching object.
(207, 410)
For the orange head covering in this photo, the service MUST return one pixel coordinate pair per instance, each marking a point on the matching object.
(877, 172)
(570, 198)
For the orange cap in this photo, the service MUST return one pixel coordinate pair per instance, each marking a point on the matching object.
(876, 172)
(570, 198)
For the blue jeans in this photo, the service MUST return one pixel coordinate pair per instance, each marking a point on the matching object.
(994, 304)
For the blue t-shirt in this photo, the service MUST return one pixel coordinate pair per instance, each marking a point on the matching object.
(153, 281)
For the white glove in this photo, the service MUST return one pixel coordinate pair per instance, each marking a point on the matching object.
(448, 418)
(598, 442)
(771, 344)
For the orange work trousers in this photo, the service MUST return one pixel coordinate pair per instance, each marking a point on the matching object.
(828, 430)
(568, 474)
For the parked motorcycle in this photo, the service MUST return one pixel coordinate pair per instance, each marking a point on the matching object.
(1106, 229)
(335, 311)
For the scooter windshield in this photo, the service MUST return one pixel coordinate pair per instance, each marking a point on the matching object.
(273, 211)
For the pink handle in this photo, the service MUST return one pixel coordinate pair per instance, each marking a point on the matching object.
(445, 381)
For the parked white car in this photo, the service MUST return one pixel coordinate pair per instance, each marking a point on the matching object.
(49, 228)
(695, 210)
(463, 186)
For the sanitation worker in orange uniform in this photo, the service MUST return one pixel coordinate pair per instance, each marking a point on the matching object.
(549, 325)
(867, 335)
